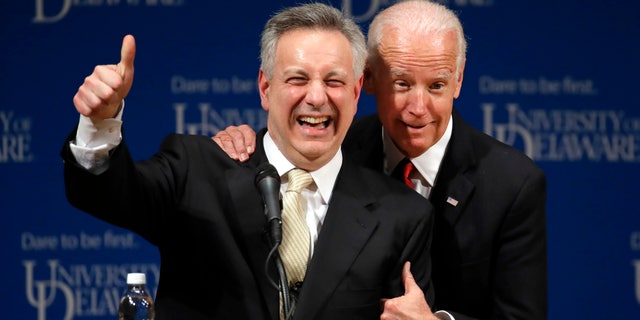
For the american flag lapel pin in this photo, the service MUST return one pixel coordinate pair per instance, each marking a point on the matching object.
(452, 201)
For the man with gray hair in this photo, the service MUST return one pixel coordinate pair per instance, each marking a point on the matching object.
(489, 243)
(206, 212)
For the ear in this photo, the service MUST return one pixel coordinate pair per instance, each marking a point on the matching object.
(263, 87)
(459, 79)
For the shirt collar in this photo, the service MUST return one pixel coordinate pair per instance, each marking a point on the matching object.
(324, 178)
(427, 163)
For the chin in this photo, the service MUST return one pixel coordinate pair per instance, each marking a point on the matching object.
(313, 150)
(414, 148)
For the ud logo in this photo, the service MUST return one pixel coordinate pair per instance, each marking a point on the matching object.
(371, 10)
(566, 134)
(211, 120)
(42, 17)
(42, 293)
(55, 10)
(510, 131)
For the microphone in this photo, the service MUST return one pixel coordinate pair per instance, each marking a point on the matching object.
(268, 183)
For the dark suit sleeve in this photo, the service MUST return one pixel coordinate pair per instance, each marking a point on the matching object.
(129, 195)
(521, 275)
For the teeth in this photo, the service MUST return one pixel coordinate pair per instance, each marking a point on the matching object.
(313, 120)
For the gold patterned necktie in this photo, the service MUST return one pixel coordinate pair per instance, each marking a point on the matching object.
(295, 247)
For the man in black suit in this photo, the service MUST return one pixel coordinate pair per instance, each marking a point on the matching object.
(191, 197)
(489, 244)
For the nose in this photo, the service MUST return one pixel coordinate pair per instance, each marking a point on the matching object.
(419, 102)
(316, 94)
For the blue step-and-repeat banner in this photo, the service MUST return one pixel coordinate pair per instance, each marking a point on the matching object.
(556, 79)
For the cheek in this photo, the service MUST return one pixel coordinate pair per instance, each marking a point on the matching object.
(443, 105)
(390, 103)
(387, 118)
(287, 94)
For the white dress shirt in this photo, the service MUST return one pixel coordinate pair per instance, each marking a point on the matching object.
(317, 195)
(427, 164)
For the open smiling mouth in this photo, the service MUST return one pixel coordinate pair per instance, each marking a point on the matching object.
(315, 122)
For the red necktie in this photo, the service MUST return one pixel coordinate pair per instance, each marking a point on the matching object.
(402, 172)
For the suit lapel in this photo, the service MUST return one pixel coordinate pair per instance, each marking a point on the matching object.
(454, 198)
(347, 227)
(453, 186)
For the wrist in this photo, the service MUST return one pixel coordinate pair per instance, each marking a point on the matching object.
(443, 315)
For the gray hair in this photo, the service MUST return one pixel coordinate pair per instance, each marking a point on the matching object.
(311, 16)
(416, 17)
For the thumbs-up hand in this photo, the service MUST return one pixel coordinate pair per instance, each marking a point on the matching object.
(101, 94)
(412, 305)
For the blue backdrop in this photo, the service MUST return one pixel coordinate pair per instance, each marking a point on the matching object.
(556, 79)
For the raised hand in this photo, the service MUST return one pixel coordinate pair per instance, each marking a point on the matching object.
(101, 95)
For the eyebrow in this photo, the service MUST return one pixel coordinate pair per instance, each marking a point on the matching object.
(301, 71)
(441, 75)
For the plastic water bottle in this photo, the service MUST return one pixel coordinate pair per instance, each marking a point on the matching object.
(136, 303)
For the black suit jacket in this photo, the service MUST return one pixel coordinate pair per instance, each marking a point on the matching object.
(489, 251)
(204, 213)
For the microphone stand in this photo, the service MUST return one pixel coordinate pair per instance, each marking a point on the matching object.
(268, 182)
(283, 286)
(284, 289)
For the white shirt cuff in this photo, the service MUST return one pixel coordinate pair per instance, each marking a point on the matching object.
(94, 140)
(443, 315)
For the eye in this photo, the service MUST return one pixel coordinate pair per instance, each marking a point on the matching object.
(401, 85)
(296, 80)
(438, 86)
(334, 83)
